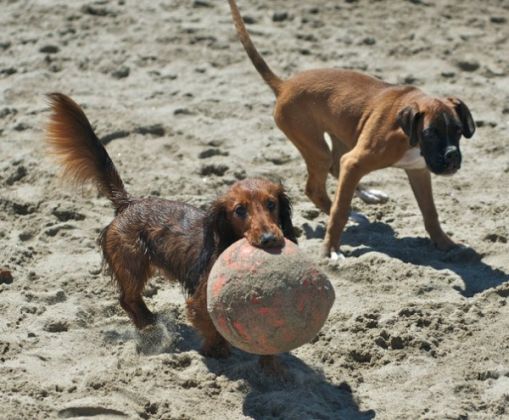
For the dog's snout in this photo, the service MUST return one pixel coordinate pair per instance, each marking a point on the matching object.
(452, 158)
(267, 239)
(452, 154)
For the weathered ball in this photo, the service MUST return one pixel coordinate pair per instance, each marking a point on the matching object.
(267, 301)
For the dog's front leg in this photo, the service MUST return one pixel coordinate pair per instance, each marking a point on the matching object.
(420, 181)
(273, 366)
(214, 345)
(352, 170)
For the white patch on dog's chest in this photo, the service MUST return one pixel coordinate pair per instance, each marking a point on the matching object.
(412, 159)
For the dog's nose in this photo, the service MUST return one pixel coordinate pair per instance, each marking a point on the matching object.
(267, 239)
(452, 156)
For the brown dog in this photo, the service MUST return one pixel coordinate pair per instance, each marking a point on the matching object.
(151, 234)
(372, 125)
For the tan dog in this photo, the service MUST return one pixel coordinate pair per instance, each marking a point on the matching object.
(372, 125)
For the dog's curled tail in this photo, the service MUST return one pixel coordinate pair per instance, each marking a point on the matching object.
(73, 142)
(272, 80)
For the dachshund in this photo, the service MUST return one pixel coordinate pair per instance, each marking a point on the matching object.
(151, 234)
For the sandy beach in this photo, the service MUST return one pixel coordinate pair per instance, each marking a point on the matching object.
(414, 333)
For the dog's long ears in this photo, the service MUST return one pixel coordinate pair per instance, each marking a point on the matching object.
(409, 119)
(467, 122)
(217, 236)
(285, 216)
(218, 226)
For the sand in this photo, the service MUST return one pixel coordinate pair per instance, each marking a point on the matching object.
(414, 332)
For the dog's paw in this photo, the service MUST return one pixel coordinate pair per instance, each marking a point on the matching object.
(371, 196)
(462, 253)
(331, 254)
(220, 350)
(358, 218)
(445, 243)
(155, 339)
(273, 366)
(336, 256)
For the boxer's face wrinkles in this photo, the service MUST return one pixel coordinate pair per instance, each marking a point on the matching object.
(440, 143)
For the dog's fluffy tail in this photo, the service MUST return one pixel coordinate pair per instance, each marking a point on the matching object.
(272, 80)
(84, 159)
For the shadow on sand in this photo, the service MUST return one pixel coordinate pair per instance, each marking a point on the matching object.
(304, 393)
(465, 262)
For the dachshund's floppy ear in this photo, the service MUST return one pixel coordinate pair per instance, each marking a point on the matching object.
(214, 226)
(218, 228)
(465, 117)
(285, 216)
(409, 119)
(217, 236)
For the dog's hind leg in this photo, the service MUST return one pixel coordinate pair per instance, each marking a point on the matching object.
(369, 196)
(130, 268)
(316, 186)
(134, 305)
(131, 284)
(317, 155)
(338, 149)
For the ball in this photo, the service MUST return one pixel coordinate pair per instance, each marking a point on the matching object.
(267, 301)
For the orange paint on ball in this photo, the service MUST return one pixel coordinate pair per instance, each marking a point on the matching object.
(267, 301)
(218, 286)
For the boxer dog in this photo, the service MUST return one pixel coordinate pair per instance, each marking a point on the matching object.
(372, 125)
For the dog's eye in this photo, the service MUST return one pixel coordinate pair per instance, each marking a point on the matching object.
(429, 132)
(271, 205)
(240, 211)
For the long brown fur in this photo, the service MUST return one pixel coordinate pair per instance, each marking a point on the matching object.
(83, 158)
(152, 234)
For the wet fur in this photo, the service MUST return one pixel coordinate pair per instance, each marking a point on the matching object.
(152, 234)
